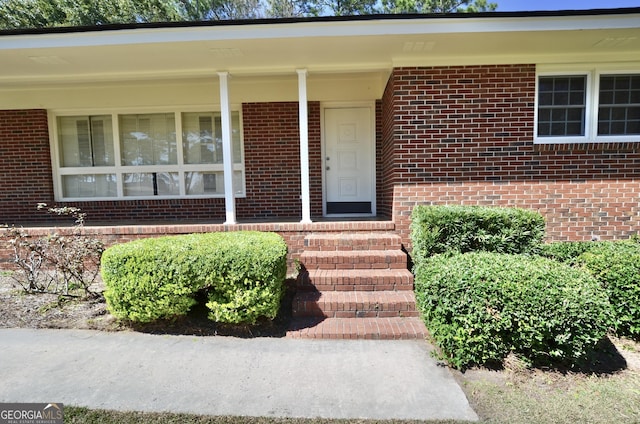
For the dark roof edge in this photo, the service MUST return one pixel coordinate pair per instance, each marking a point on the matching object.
(357, 18)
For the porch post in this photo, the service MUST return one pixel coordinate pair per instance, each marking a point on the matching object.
(227, 150)
(304, 145)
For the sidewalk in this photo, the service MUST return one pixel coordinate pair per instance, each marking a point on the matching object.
(276, 377)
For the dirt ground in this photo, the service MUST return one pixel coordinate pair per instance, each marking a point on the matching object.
(21, 310)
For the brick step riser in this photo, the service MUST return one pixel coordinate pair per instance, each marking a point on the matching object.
(358, 328)
(311, 262)
(319, 287)
(330, 243)
(322, 280)
(328, 284)
(337, 247)
(310, 309)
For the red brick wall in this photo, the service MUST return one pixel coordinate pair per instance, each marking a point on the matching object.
(272, 161)
(386, 159)
(464, 135)
(25, 164)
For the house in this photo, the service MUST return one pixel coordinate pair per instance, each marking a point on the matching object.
(325, 125)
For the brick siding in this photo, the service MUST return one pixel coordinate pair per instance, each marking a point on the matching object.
(25, 164)
(464, 135)
(272, 160)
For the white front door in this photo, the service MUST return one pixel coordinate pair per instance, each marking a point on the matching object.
(349, 161)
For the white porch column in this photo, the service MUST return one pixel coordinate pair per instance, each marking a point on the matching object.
(304, 145)
(227, 150)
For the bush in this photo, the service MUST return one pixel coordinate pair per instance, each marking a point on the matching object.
(439, 229)
(567, 251)
(246, 277)
(481, 306)
(242, 273)
(616, 265)
(64, 263)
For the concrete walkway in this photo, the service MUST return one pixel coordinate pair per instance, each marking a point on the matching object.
(229, 376)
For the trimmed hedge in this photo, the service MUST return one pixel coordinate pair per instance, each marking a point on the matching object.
(242, 273)
(481, 306)
(567, 251)
(439, 229)
(616, 265)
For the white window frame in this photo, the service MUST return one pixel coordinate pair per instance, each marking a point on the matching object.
(593, 73)
(119, 170)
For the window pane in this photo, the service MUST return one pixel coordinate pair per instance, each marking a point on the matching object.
(204, 182)
(202, 138)
(237, 183)
(151, 184)
(544, 129)
(89, 185)
(619, 103)
(148, 139)
(606, 97)
(85, 141)
(236, 139)
(198, 138)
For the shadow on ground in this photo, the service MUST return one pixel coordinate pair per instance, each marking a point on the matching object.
(197, 323)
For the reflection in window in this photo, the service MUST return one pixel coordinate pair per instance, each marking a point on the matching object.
(137, 155)
(151, 184)
(89, 185)
(85, 141)
(202, 138)
(148, 139)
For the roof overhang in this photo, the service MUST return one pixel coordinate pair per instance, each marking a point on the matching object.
(321, 45)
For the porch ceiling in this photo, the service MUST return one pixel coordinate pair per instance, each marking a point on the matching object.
(374, 45)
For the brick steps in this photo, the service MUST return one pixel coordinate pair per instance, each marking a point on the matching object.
(356, 280)
(358, 328)
(355, 286)
(362, 304)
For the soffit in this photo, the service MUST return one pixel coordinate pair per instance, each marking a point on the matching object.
(320, 47)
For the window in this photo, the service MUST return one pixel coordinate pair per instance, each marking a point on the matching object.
(145, 156)
(619, 105)
(561, 106)
(589, 106)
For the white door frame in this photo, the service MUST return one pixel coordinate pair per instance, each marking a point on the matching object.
(344, 105)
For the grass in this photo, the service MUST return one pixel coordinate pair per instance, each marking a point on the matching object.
(78, 415)
(549, 398)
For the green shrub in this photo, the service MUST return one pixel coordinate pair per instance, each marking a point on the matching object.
(616, 265)
(481, 306)
(247, 277)
(566, 251)
(439, 229)
(242, 273)
(150, 279)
